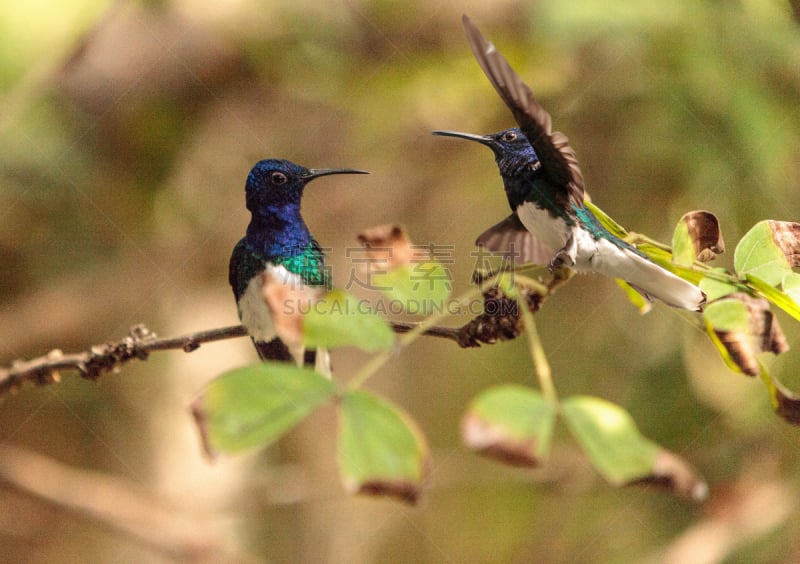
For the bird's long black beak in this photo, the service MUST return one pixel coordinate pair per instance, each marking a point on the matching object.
(483, 139)
(317, 172)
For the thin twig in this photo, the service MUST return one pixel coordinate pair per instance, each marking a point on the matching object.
(451, 333)
(111, 356)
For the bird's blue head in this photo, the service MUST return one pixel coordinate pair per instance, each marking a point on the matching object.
(275, 186)
(274, 190)
(512, 151)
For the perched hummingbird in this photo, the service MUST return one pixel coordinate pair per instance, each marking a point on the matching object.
(544, 186)
(278, 241)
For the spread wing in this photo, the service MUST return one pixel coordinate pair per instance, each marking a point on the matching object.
(511, 240)
(559, 163)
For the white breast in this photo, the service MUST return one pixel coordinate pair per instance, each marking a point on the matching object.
(584, 250)
(253, 309)
(552, 232)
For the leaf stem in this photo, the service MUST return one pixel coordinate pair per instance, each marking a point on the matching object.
(540, 364)
(638, 239)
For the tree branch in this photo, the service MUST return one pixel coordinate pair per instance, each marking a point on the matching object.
(500, 321)
(111, 356)
(452, 333)
(100, 359)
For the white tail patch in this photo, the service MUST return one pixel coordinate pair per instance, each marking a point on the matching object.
(646, 276)
(323, 363)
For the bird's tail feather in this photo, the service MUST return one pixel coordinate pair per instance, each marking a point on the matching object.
(276, 349)
(657, 282)
(322, 363)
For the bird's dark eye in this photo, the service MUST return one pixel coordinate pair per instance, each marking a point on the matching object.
(509, 136)
(278, 178)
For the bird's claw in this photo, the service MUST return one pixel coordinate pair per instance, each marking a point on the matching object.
(559, 259)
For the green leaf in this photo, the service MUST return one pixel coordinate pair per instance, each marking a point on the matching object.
(728, 315)
(616, 448)
(716, 289)
(742, 327)
(765, 257)
(380, 449)
(255, 405)
(759, 253)
(339, 319)
(682, 245)
(419, 288)
(511, 423)
(609, 436)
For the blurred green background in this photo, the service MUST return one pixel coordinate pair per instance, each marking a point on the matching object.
(127, 131)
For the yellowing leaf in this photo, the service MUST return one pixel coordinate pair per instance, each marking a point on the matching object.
(635, 297)
(776, 296)
(742, 327)
(791, 286)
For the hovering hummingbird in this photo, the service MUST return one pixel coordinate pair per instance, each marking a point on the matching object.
(279, 242)
(550, 222)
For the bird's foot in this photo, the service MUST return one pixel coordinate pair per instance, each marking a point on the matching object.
(560, 259)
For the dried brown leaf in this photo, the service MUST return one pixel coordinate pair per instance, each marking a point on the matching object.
(763, 335)
(705, 234)
(388, 247)
(494, 442)
(403, 490)
(786, 235)
(673, 473)
(786, 403)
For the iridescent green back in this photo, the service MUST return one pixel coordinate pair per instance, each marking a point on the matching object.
(310, 265)
(245, 264)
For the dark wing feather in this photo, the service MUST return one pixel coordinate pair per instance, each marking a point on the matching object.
(273, 350)
(511, 240)
(277, 350)
(559, 163)
(242, 267)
